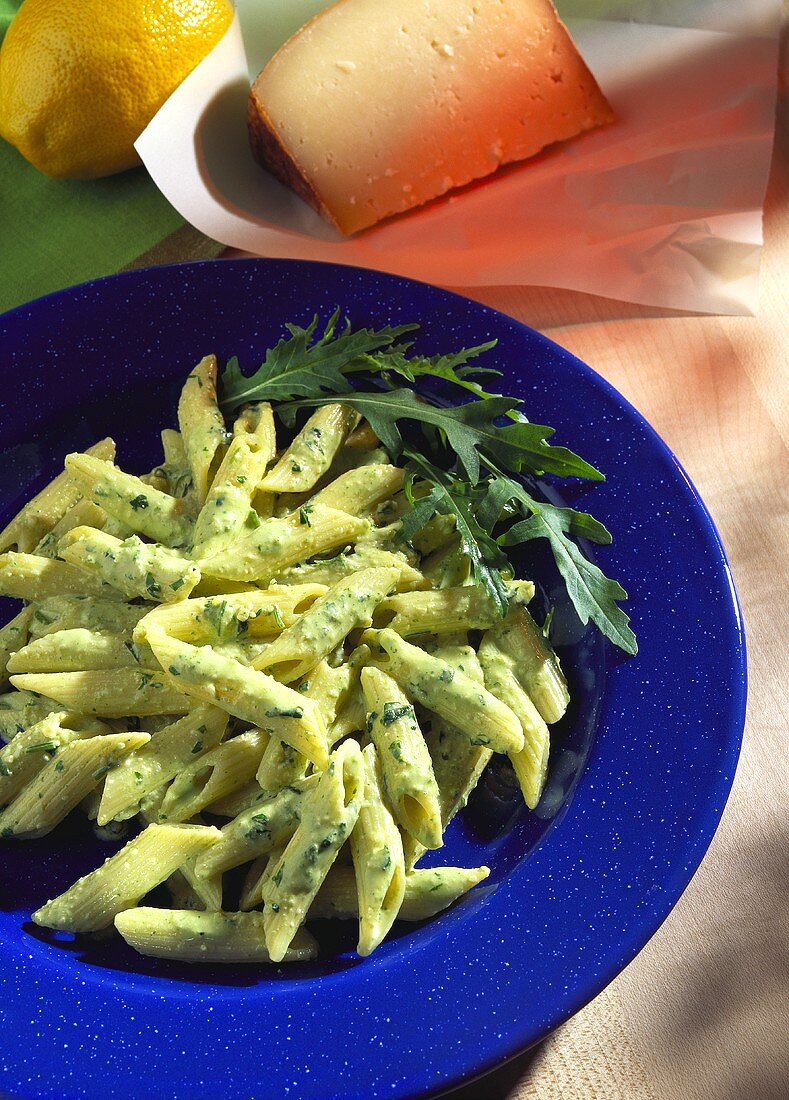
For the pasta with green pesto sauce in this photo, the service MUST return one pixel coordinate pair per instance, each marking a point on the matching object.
(238, 657)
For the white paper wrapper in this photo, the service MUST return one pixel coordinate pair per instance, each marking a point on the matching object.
(664, 207)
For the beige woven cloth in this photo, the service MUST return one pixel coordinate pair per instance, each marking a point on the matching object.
(703, 1012)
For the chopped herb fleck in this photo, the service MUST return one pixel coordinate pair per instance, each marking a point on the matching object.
(277, 879)
(396, 751)
(253, 519)
(4, 768)
(446, 676)
(393, 712)
(60, 766)
(277, 712)
(43, 746)
(386, 862)
(275, 611)
(177, 584)
(304, 514)
(139, 502)
(42, 616)
(295, 467)
(102, 770)
(152, 586)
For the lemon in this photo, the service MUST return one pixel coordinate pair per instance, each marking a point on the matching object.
(81, 79)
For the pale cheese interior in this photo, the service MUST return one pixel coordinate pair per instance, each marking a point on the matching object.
(385, 104)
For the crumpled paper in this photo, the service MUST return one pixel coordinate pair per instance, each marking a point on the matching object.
(664, 207)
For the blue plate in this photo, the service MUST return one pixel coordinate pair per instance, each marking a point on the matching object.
(640, 770)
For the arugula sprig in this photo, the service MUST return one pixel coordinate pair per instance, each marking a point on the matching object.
(465, 455)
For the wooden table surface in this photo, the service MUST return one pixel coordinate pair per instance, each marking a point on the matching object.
(703, 1012)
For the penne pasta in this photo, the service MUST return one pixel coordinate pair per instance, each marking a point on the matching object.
(378, 861)
(65, 779)
(202, 426)
(169, 751)
(531, 763)
(136, 568)
(21, 709)
(33, 578)
(47, 508)
(233, 615)
(328, 817)
(312, 451)
(108, 693)
(345, 607)
(427, 892)
(79, 649)
(256, 831)
(95, 900)
(13, 637)
(243, 692)
(445, 611)
(87, 613)
(406, 768)
(84, 514)
(205, 937)
(217, 773)
(143, 508)
(360, 490)
(266, 548)
(533, 662)
(451, 694)
(25, 756)
(229, 500)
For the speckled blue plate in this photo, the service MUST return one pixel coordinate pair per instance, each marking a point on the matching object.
(640, 769)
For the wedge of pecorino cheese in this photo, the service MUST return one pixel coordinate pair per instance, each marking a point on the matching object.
(376, 107)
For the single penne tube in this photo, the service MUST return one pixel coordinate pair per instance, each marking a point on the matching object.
(229, 499)
(408, 779)
(79, 649)
(84, 514)
(166, 755)
(360, 490)
(33, 578)
(330, 571)
(266, 550)
(427, 892)
(39, 515)
(531, 763)
(468, 607)
(328, 817)
(453, 695)
(144, 508)
(217, 773)
(255, 832)
(258, 874)
(378, 861)
(134, 567)
(108, 693)
(64, 781)
(252, 696)
(95, 900)
(457, 763)
(202, 425)
(533, 661)
(233, 615)
(187, 936)
(87, 613)
(312, 451)
(19, 710)
(345, 607)
(25, 756)
(13, 637)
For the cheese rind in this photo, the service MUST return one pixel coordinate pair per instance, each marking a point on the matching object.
(373, 108)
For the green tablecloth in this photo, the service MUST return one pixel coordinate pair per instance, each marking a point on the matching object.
(54, 233)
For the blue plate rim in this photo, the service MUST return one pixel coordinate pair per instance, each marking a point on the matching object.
(628, 947)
